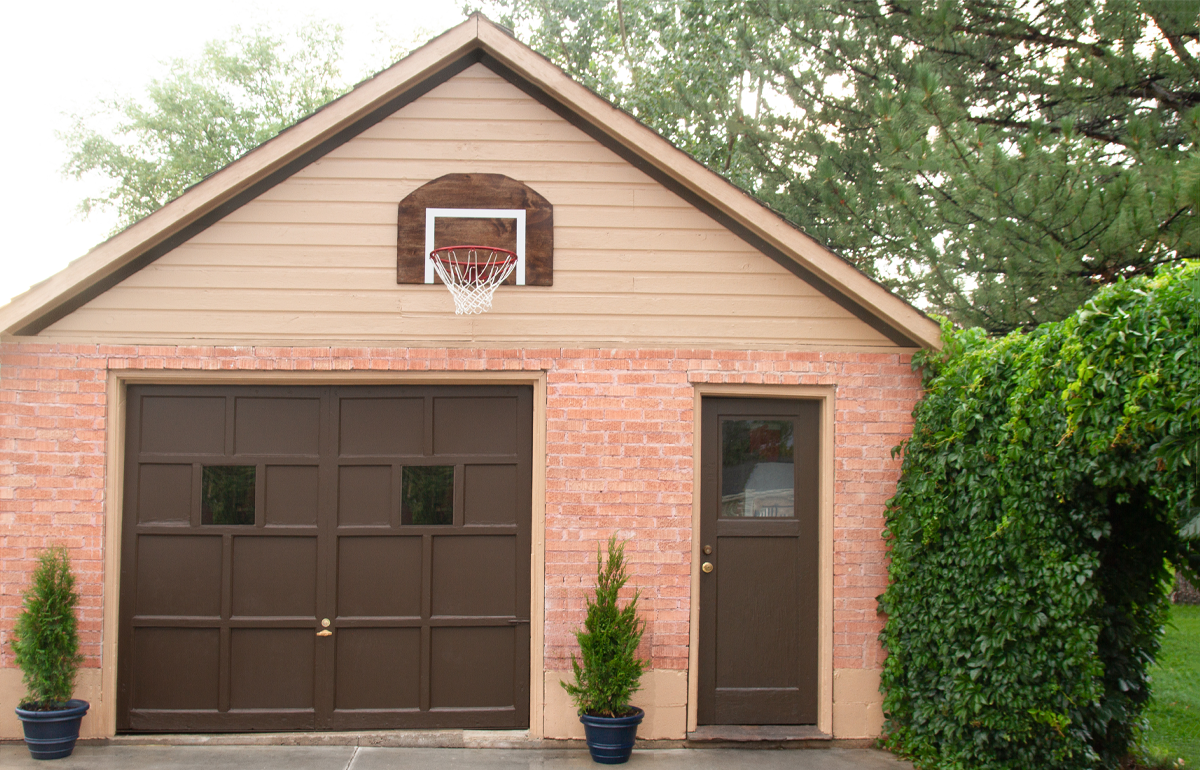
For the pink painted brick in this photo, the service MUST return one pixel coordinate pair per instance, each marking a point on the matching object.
(619, 445)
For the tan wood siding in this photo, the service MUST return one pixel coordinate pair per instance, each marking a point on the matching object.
(314, 257)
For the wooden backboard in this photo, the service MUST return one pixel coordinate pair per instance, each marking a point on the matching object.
(461, 193)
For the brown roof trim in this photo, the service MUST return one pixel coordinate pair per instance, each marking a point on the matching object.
(475, 40)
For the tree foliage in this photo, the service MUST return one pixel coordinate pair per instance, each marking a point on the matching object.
(996, 161)
(1044, 491)
(203, 115)
(45, 639)
(608, 670)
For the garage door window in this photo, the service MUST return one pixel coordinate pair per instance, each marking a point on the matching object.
(228, 495)
(428, 495)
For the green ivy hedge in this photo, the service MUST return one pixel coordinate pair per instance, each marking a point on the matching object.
(1044, 490)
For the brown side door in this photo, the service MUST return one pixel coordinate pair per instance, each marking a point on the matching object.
(325, 558)
(758, 529)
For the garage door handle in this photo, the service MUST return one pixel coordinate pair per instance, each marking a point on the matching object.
(518, 621)
(325, 632)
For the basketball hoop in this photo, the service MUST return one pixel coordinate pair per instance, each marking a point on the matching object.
(472, 274)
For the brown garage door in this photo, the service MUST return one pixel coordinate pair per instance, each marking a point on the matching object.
(325, 558)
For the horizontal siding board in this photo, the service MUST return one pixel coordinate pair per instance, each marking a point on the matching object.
(686, 265)
(303, 212)
(741, 333)
(380, 278)
(393, 190)
(507, 147)
(731, 284)
(358, 213)
(433, 298)
(465, 109)
(617, 238)
(480, 129)
(295, 234)
(531, 171)
(314, 257)
(341, 279)
(277, 257)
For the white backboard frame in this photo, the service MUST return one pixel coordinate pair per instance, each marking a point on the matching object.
(432, 215)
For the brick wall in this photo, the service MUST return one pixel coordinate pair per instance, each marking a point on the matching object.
(619, 456)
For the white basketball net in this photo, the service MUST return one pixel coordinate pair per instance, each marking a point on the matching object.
(472, 278)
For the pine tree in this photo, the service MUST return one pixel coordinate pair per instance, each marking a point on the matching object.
(608, 669)
(994, 162)
(45, 639)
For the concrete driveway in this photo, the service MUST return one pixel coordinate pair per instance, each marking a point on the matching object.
(14, 756)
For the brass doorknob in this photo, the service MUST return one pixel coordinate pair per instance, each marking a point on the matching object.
(706, 567)
(325, 628)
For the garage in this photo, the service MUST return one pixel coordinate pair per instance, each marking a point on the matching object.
(301, 492)
(325, 558)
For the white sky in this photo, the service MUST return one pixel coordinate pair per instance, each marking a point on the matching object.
(58, 58)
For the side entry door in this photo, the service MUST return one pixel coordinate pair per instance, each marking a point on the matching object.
(759, 561)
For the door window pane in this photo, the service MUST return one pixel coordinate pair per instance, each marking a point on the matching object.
(428, 495)
(228, 495)
(758, 469)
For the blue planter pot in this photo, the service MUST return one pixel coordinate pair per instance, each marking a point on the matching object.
(610, 739)
(52, 734)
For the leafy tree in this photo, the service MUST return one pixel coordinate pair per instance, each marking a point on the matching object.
(994, 161)
(204, 115)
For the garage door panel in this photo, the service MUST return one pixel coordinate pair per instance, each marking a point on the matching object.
(379, 577)
(474, 575)
(475, 426)
(365, 495)
(378, 668)
(272, 668)
(381, 426)
(292, 495)
(183, 424)
(176, 668)
(472, 667)
(164, 494)
(490, 494)
(178, 575)
(277, 426)
(274, 576)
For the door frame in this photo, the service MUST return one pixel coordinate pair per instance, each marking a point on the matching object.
(105, 712)
(825, 395)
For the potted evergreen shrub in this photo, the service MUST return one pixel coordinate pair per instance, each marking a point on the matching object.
(46, 643)
(608, 669)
